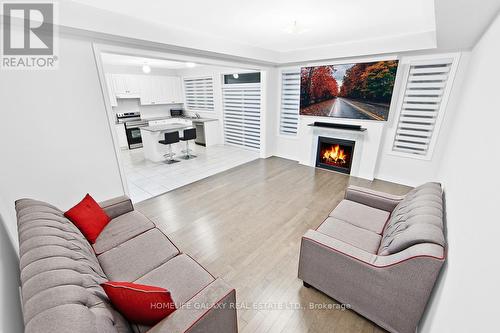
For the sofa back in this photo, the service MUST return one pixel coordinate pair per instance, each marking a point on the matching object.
(417, 219)
(60, 275)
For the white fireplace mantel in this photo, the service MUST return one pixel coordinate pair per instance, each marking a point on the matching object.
(363, 161)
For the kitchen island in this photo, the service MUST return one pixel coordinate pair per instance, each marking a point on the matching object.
(208, 133)
(155, 151)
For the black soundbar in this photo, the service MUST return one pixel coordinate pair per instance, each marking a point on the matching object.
(339, 126)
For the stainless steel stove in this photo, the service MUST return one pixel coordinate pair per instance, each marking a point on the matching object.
(133, 124)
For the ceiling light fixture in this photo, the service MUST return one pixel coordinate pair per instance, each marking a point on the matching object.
(236, 75)
(296, 28)
(190, 64)
(146, 68)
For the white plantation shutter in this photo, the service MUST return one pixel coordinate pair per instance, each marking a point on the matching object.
(423, 105)
(290, 101)
(199, 92)
(241, 105)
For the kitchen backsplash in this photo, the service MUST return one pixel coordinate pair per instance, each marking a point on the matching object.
(147, 111)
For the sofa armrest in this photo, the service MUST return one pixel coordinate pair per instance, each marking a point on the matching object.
(213, 309)
(342, 248)
(375, 199)
(424, 250)
(117, 206)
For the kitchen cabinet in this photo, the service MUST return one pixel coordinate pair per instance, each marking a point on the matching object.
(160, 90)
(147, 95)
(207, 131)
(126, 86)
(174, 94)
(121, 135)
(111, 90)
(150, 89)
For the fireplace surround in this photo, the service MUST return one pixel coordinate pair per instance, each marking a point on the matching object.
(335, 154)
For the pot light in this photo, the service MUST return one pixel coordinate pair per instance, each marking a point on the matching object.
(236, 75)
(146, 68)
(190, 64)
(296, 28)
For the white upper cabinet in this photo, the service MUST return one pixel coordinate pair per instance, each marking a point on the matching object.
(126, 86)
(175, 89)
(146, 85)
(151, 89)
(111, 90)
(160, 90)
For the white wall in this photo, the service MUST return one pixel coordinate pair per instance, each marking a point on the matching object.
(467, 297)
(57, 145)
(270, 77)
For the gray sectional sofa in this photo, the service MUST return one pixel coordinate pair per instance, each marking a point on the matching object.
(379, 253)
(61, 274)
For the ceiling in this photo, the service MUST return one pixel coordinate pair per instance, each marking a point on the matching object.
(270, 24)
(287, 31)
(125, 60)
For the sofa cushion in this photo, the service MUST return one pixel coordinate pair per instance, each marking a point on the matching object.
(78, 318)
(361, 238)
(137, 256)
(182, 276)
(362, 216)
(418, 218)
(139, 303)
(89, 217)
(121, 229)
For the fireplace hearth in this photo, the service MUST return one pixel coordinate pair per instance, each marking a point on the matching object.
(335, 154)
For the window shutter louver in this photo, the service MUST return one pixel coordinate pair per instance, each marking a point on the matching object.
(422, 106)
(199, 93)
(290, 101)
(242, 115)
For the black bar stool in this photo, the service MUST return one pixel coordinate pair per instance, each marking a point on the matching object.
(170, 137)
(188, 134)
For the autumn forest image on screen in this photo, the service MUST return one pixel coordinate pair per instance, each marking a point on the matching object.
(357, 91)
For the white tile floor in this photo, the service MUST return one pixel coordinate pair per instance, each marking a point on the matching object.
(147, 179)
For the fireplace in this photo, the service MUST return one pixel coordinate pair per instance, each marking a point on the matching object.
(335, 154)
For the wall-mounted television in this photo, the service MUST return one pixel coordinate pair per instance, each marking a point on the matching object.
(356, 91)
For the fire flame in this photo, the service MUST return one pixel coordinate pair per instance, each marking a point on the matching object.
(335, 154)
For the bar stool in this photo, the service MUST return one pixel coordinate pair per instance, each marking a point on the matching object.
(188, 134)
(170, 137)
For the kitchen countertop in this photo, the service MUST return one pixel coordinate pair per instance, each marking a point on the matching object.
(199, 120)
(166, 127)
(203, 120)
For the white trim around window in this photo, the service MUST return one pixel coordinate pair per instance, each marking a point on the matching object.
(422, 103)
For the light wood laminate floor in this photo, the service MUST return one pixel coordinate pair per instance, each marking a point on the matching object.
(245, 225)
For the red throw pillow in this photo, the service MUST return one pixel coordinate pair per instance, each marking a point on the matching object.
(139, 303)
(89, 217)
